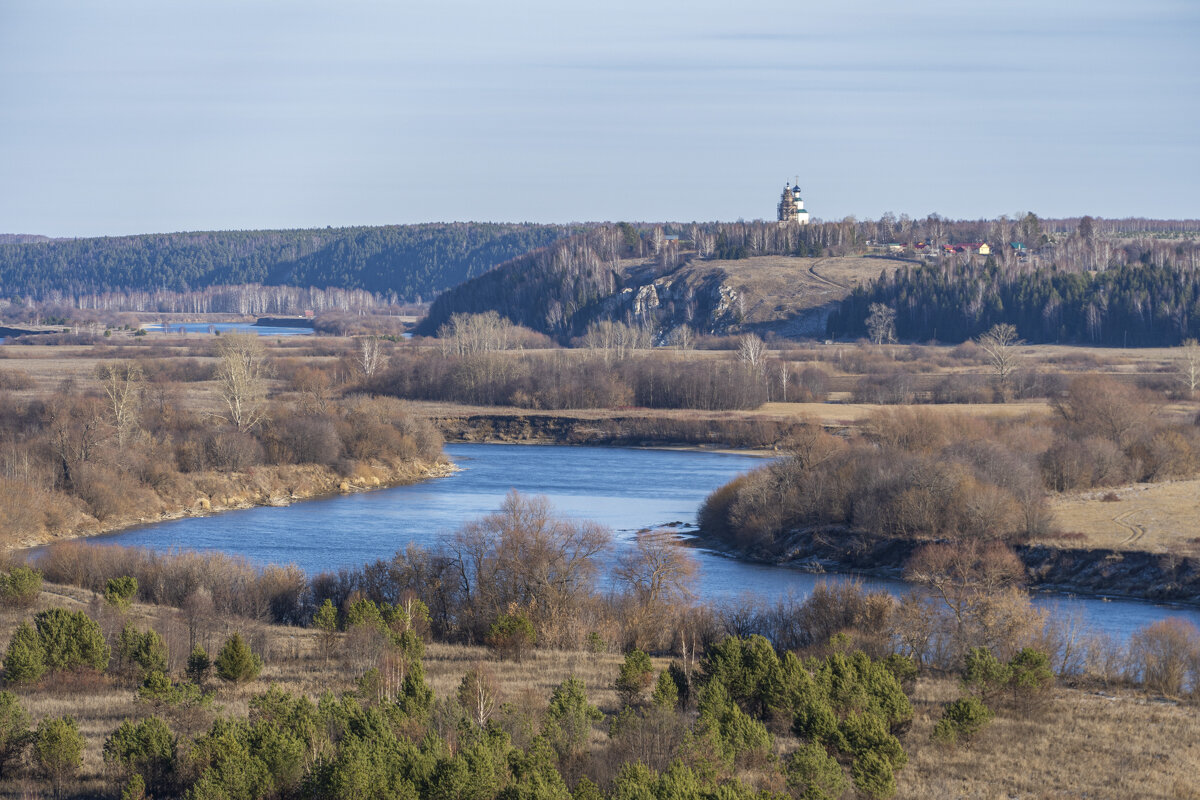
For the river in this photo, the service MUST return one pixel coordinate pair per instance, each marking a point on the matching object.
(225, 327)
(626, 489)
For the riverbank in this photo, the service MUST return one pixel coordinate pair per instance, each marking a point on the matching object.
(713, 431)
(207, 493)
(1126, 574)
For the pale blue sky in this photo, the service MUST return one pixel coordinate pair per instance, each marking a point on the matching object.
(130, 116)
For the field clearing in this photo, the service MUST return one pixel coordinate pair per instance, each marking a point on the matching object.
(1077, 744)
(1152, 517)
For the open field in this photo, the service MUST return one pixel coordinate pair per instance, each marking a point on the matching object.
(1079, 743)
(1155, 517)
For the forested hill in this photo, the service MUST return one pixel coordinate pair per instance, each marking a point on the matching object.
(408, 262)
(1129, 282)
(1133, 305)
(611, 272)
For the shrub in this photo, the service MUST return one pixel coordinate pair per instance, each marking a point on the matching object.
(984, 674)
(58, 751)
(161, 692)
(961, 720)
(145, 652)
(120, 592)
(666, 693)
(199, 665)
(236, 663)
(634, 677)
(24, 662)
(20, 587)
(71, 640)
(512, 636)
(1161, 654)
(873, 775)
(135, 789)
(1030, 674)
(146, 749)
(813, 774)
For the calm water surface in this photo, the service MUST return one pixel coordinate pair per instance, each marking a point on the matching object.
(627, 489)
(223, 327)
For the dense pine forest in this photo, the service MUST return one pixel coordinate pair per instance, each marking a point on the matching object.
(1138, 304)
(401, 262)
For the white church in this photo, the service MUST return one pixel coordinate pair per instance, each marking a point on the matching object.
(791, 207)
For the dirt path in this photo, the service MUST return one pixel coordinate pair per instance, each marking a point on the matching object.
(1136, 532)
(812, 270)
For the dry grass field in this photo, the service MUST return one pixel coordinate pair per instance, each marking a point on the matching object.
(1080, 743)
(786, 294)
(1155, 517)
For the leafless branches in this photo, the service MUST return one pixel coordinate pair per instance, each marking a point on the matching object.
(242, 375)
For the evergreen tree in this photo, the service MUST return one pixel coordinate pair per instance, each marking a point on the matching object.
(24, 661)
(634, 677)
(199, 666)
(58, 751)
(236, 663)
(71, 640)
(14, 730)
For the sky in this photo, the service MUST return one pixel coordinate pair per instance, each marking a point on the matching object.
(134, 116)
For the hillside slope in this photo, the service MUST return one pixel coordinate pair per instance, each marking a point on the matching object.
(562, 289)
(409, 261)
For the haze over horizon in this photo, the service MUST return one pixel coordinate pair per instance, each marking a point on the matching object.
(138, 116)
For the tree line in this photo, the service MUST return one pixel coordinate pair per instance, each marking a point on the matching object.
(401, 262)
(129, 445)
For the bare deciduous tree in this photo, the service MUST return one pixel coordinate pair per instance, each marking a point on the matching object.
(752, 351)
(525, 559)
(616, 339)
(1188, 365)
(468, 334)
(683, 337)
(657, 576)
(479, 694)
(1000, 344)
(978, 586)
(242, 374)
(370, 358)
(122, 384)
(881, 323)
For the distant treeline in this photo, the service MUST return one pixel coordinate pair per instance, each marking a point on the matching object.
(403, 262)
(1136, 304)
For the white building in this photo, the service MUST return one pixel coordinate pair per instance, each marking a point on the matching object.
(791, 206)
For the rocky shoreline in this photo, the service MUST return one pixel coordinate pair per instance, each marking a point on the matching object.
(613, 429)
(1135, 575)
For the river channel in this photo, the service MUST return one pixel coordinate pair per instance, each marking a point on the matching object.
(629, 490)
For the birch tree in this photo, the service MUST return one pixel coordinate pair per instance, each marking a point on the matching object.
(371, 358)
(881, 323)
(1188, 365)
(242, 375)
(122, 384)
